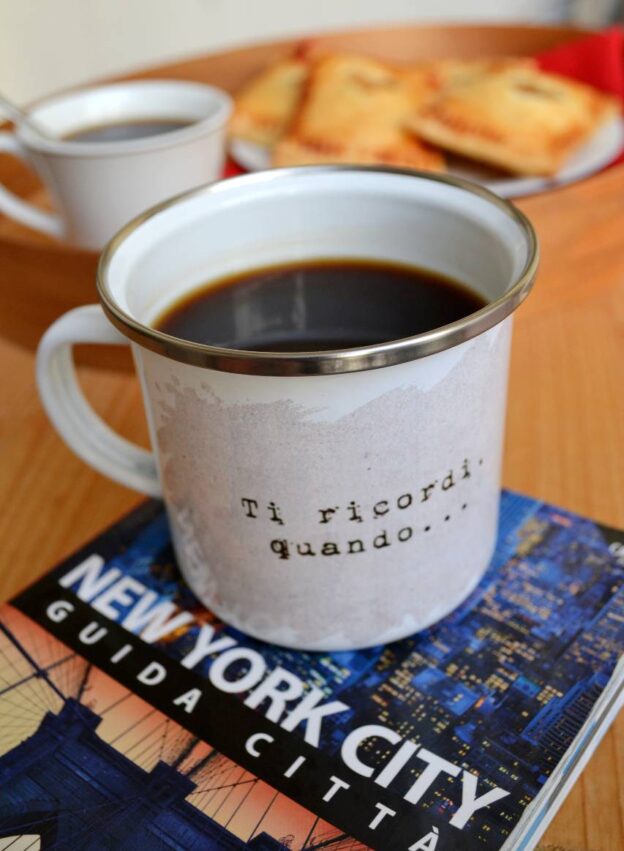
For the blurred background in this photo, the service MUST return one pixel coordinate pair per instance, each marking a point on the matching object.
(46, 45)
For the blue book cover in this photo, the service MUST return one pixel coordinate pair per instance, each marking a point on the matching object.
(132, 718)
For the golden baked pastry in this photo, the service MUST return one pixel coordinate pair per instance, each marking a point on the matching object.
(264, 107)
(513, 116)
(354, 110)
(445, 72)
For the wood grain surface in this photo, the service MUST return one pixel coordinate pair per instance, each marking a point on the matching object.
(565, 438)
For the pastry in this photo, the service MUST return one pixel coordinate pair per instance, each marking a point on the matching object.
(513, 116)
(354, 110)
(264, 107)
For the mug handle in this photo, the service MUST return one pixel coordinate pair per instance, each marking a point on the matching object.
(15, 207)
(72, 416)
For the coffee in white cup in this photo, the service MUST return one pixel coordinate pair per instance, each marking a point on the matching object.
(98, 176)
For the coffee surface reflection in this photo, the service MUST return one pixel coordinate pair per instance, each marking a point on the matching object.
(318, 306)
(125, 131)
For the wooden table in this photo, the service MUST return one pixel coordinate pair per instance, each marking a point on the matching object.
(565, 440)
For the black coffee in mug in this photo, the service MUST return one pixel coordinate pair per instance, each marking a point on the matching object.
(319, 306)
(124, 131)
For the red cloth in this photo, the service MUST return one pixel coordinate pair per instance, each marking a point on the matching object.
(231, 168)
(595, 59)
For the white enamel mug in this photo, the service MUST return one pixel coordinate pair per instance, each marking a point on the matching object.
(96, 187)
(327, 500)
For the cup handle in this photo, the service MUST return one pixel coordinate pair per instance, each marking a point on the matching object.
(72, 416)
(18, 209)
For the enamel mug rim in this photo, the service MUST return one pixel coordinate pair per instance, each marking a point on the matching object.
(325, 362)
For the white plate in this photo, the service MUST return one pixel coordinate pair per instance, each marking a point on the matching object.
(597, 153)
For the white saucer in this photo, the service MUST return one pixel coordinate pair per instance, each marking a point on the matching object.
(597, 153)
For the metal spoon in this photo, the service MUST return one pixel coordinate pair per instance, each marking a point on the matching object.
(20, 117)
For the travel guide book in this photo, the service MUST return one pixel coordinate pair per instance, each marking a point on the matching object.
(131, 718)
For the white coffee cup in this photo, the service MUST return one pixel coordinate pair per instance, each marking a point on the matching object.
(96, 187)
(323, 500)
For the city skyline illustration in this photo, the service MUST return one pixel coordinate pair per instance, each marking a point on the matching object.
(142, 778)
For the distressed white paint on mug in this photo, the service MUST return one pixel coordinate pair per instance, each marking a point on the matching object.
(275, 448)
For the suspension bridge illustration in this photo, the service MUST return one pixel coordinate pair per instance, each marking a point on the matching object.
(86, 764)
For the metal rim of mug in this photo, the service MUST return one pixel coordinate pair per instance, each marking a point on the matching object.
(326, 362)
